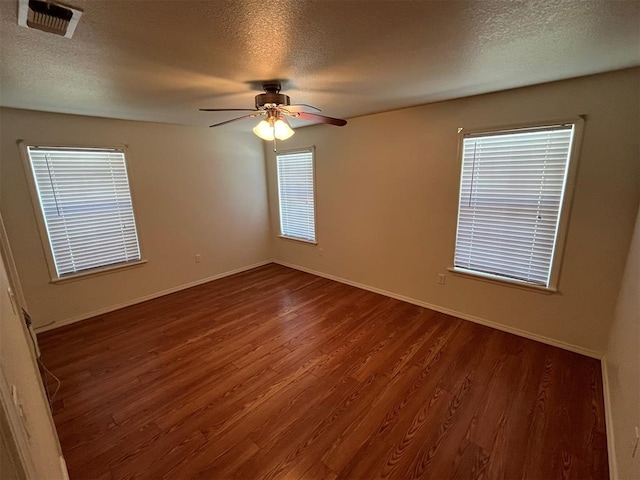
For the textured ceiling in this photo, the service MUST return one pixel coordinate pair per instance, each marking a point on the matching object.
(162, 60)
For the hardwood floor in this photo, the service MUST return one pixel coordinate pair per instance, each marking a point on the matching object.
(274, 373)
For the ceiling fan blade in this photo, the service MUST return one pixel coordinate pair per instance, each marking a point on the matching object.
(227, 109)
(297, 107)
(314, 117)
(232, 120)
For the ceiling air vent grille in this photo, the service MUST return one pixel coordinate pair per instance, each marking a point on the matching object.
(48, 16)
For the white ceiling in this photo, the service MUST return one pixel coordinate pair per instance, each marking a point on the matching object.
(162, 60)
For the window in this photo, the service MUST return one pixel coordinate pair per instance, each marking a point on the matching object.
(86, 210)
(296, 195)
(513, 193)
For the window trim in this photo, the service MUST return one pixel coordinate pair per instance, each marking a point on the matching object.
(42, 226)
(312, 150)
(564, 211)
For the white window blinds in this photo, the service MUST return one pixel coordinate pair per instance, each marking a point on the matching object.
(86, 204)
(511, 195)
(296, 194)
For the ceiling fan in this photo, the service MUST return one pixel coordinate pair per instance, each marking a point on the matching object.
(276, 107)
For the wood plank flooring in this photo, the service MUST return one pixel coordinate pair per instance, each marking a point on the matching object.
(275, 373)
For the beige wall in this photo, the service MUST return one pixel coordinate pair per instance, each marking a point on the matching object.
(196, 190)
(387, 189)
(623, 365)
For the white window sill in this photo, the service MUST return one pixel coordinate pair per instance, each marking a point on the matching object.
(486, 277)
(298, 239)
(97, 271)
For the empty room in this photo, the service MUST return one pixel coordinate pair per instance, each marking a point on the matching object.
(319, 239)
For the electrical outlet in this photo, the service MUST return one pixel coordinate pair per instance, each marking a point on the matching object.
(441, 279)
(320, 252)
(198, 258)
(635, 442)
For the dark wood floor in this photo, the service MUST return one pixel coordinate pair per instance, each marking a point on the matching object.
(274, 373)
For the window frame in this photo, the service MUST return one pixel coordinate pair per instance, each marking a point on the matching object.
(312, 150)
(564, 212)
(41, 222)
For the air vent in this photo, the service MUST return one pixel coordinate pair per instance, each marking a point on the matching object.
(48, 16)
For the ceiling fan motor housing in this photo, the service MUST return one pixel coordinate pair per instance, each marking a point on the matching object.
(272, 97)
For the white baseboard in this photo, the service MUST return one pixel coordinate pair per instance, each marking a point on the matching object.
(608, 418)
(144, 298)
(464, 316)
(437, 308)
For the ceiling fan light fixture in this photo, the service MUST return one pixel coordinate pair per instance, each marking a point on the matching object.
(264, 130)
(273, 127)
(281, 129)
